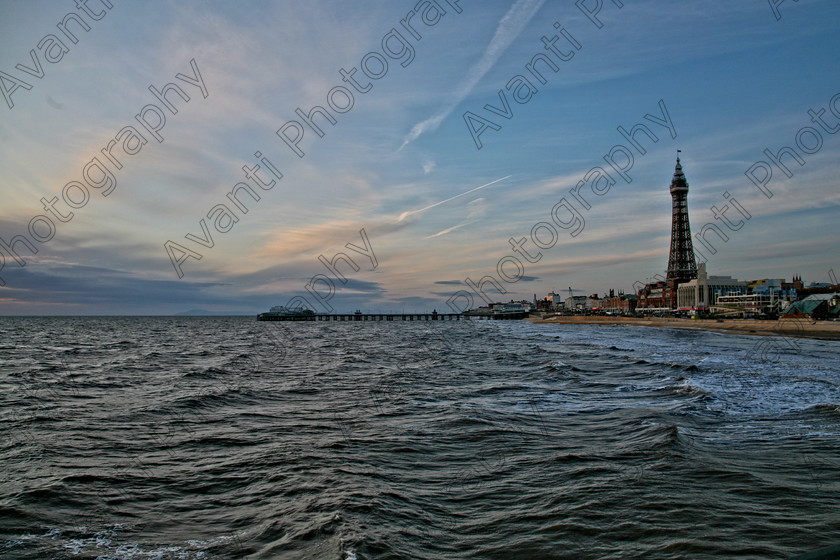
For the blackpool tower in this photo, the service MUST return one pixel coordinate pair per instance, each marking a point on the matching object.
(681, 264)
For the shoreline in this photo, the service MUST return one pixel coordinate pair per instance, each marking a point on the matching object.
(821, 330)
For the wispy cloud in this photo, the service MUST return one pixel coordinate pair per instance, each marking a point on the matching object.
(445, 231)
(509, 28)
(404, 215)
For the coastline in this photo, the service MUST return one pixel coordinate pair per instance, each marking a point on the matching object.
(822, 330)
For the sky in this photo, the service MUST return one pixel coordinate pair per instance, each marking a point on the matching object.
(161, 157)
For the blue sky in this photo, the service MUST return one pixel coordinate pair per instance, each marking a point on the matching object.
(401, 163)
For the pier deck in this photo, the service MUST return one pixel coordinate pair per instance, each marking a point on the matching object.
(365, 317)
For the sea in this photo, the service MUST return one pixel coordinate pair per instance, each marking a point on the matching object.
(226, 438)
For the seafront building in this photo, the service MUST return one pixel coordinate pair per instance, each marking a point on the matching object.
(576, 303)
(551, 302)
(721, 295)
(704, 292)
(621, 304)
(769, 296)
(747, 304)
(817, 306)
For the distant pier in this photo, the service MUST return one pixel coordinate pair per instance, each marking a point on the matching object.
(364, 317)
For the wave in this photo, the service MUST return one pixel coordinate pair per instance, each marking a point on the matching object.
(243, 363)
(207, 398)
(112, 542)
(688, 390)
(670, 365)
(562, 367)
(206, 373)
(303, 391)
(829, 410)
(120, 344)
(653, 439)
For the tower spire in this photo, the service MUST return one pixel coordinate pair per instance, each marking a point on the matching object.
(682, 265)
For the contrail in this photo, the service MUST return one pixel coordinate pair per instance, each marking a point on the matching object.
(509, 28)
(404, 215)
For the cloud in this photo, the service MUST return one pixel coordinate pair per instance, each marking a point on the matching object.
(476, 210)
(509, 28)
(88, 289)
(404, 215)
(445, 231)
(54, 104)
(359, 287)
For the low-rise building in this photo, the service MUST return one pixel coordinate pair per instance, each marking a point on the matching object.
(818, 288)
(576, 303)
(814, 309)
(776, 288)
(817, 306)
(748, 304)
(555, 301)
(656, 297)
(622, 304)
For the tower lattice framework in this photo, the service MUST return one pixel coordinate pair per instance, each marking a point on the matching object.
(681, 263)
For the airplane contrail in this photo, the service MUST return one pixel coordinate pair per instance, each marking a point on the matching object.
(509, 28)
(404, 215)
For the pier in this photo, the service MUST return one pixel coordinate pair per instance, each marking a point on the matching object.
(363, 317)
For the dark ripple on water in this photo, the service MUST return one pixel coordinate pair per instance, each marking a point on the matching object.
(227, 438)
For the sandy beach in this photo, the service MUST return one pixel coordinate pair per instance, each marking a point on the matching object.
(827, 330)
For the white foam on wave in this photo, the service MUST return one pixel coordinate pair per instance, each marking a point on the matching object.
(107, 546)
(745, 376)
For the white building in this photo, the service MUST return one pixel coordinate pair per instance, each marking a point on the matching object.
(702, 292)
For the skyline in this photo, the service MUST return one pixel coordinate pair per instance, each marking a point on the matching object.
(171, 155)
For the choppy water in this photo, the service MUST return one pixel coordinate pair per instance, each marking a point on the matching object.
(206, 438)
